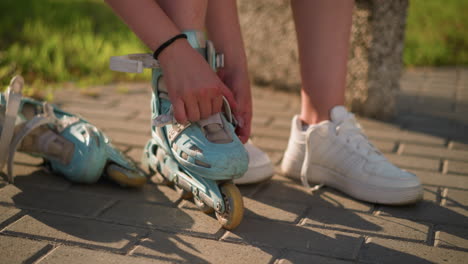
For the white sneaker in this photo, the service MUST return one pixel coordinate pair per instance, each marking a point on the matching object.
(337, 153)
(260, 166)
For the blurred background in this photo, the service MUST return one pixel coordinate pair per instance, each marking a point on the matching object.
(57, 43)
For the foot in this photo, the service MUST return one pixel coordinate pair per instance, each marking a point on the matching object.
(260, 166)
(336, 153)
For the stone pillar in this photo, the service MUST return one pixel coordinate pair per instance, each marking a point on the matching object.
(375, 60)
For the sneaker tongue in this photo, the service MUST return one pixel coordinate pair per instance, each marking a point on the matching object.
(338, 114)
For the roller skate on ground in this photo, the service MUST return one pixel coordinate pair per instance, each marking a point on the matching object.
(202, 158)
(336, 153)
(69, 145)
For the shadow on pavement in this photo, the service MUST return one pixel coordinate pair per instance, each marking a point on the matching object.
(72, 216)
(331, 229)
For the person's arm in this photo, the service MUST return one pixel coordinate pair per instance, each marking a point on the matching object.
(189, 79)
(224, 30)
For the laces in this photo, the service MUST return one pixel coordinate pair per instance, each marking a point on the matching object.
(350, 130)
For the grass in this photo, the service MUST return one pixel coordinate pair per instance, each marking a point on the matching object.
(54, 41)
(436, 33)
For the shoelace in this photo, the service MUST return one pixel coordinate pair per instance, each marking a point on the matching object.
(350, 129)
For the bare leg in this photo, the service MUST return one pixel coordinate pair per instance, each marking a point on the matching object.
(323, 30)
(187, 15)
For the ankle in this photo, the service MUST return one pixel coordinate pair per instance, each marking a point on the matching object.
(313, 119)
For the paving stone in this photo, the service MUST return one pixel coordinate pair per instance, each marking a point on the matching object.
(268, 131)
(456, 167)
(271, 144)
(261, 120)
(80, 231)
(290, 191)
(384, 146)
(439, 179)
(426, 211)
(372, 124)
(457, 201)
(186, 249)
(128, 126)
(451, 237)
(405, 136)
(274, 210)
(19, 250)
(147, 193)
(74, 255)
(36, 197)
(366, 225)
(128, 139)
(412, 162)
(301, 238)
(297, 258)
(111, 113)
(163, 217)
(38, 176)
(396, 251)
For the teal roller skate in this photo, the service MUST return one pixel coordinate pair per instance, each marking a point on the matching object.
(68, 144)
(200, 158)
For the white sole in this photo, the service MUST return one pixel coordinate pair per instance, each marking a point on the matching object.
(256, 175)
(364, 191)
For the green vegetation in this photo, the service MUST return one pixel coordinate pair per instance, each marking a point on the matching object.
(437, 33)
(53, 41)
(56, 41)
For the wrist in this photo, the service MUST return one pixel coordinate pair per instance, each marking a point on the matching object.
(172, 52)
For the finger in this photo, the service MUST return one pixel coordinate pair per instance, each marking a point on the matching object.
(205, 106)
(217, 104)
(179, 111)
(229, 96)
(243, 133)
(191, 109)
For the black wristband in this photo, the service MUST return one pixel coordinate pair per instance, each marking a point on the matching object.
(166, 44)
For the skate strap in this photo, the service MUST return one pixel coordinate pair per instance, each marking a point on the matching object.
(13, 102)
(46, 118)
(133, 63)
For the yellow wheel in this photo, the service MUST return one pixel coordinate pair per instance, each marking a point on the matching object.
(125, 177)
(234, 207)
(186, 195)
(202, 206)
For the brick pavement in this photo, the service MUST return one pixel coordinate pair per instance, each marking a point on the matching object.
(46, 219)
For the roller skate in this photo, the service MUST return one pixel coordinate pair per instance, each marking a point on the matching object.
(201, 159)
(69, 145)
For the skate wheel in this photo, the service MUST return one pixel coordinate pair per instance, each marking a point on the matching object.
(183, 193)
(234, 205)
(124, 176)
(202, 206)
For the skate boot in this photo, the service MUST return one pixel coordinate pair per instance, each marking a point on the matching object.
(68, 144)
(200, 158)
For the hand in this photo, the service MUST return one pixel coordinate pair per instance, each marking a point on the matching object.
(237, 80)
(195, 90)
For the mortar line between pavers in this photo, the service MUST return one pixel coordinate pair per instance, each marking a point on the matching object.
(13, 219)
(430, 240)
(132, 246)
(41, 254)
(363, 233)
(61, 241)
